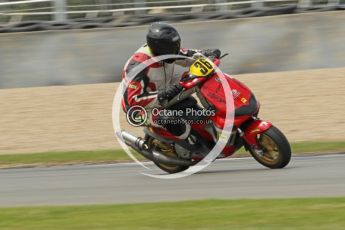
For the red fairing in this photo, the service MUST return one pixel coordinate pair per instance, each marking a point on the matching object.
(190, 84)
(255, 128)
(213, 92)
(220, 120)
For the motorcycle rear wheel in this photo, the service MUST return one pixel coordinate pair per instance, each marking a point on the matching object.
(168, 151)
(276, 150)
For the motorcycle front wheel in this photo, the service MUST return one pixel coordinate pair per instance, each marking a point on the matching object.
(275, 150)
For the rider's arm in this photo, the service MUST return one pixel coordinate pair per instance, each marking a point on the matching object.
(139, 91)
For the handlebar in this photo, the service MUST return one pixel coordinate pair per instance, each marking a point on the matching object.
(226, 54)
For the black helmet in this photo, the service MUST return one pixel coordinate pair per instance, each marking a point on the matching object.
(163, 39)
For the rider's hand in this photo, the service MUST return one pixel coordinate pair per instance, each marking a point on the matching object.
(197, 55)
(212, 53)
(169, 93)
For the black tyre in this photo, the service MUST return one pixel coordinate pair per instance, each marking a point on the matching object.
(59, 26)
(276, 150)
(168, 151)
(26, 26)
(171, 169)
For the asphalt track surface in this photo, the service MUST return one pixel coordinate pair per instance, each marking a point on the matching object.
(315, 176)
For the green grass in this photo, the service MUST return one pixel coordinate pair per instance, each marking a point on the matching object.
(312, 147)
(73, 157)
(270, 214)
(107, 156)
(318, 147)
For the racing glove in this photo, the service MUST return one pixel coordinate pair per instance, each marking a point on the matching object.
(212, 53)
(169, 93)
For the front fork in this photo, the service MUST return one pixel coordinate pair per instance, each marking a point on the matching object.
(250, 133)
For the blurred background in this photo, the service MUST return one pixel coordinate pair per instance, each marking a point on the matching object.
(88, 41)
(61, 63)
(290, 53)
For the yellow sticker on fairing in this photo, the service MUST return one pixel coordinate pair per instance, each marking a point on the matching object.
(202, 67)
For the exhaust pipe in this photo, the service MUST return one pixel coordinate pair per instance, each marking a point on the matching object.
(140, 146)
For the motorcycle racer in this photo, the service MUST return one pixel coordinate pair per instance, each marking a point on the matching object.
(157, 83)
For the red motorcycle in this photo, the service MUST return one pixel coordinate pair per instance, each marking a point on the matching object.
(266, 143)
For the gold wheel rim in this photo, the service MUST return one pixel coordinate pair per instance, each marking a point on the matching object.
(165, 150)
(271, 154)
